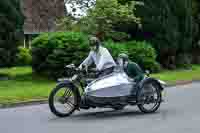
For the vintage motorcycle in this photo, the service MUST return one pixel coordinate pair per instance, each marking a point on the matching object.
(115, 91)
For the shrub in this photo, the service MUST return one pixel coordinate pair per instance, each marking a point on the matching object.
(115, 48)
(24, 57)
(52, 51)
(139, 52)
(144, 54)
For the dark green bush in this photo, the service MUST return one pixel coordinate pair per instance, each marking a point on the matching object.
(139, 52)
(144, 54)
(7, 57)
(11, 27)
(168, 25)
(52, 51)
(24, 57)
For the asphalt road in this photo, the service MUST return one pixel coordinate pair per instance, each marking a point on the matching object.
(179, 114)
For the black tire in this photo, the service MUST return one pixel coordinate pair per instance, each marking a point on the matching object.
(158, 101)
(52, 95)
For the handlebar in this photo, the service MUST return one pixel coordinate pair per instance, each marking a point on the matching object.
(72, 68)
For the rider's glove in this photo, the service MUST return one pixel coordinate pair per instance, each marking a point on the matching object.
(80, 67)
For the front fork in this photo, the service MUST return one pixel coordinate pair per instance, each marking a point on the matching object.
(82, 102)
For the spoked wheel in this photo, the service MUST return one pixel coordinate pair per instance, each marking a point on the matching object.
(63, 101)
(149, 97)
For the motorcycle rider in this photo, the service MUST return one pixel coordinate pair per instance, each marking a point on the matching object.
(100, 56)
(132, 69)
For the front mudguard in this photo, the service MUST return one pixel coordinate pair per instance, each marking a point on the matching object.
(70, 84)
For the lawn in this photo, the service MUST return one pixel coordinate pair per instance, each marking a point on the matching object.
(25, 86)
(172, 77)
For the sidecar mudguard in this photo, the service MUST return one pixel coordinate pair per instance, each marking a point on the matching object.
(150, 79)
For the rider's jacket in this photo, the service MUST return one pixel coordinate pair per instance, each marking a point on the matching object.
(134, 71)
(102, 59)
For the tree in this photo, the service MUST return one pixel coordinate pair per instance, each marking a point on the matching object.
(196, 31)
(168, 25)
(78, 8)
(105, 18)
(11, 21)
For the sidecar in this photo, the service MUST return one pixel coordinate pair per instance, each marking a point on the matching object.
(118, 89)
(115, 88)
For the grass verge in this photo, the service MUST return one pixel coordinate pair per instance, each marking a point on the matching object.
(24, 86)
(172, 77)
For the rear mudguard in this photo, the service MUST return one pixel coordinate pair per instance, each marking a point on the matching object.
(150, 79)
(70, 84)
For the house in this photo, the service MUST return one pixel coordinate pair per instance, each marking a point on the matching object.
(40, 17)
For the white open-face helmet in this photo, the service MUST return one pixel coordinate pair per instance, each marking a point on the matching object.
(94, 42)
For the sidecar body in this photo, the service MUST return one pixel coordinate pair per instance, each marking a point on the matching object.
(110, 89)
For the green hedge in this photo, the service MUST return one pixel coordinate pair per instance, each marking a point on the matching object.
(139, 52)
(24, 57)
(52, 51)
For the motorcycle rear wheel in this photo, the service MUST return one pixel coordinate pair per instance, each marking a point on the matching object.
(62, 101)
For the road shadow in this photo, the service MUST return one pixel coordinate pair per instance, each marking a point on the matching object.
(105, 115)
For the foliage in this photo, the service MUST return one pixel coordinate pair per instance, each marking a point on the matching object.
(195, 7)
(77, 8)
(65, 24)
(168, 25)
(144, 54)
(196, 32)
(52, 51)
(139, 52)
(11, 21)
(24, 57)
(105, 17)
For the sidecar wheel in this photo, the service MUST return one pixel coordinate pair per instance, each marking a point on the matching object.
(63, 101)
(149, 97)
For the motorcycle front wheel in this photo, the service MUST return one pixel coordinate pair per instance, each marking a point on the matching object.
(62, 101)
(149, 97)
